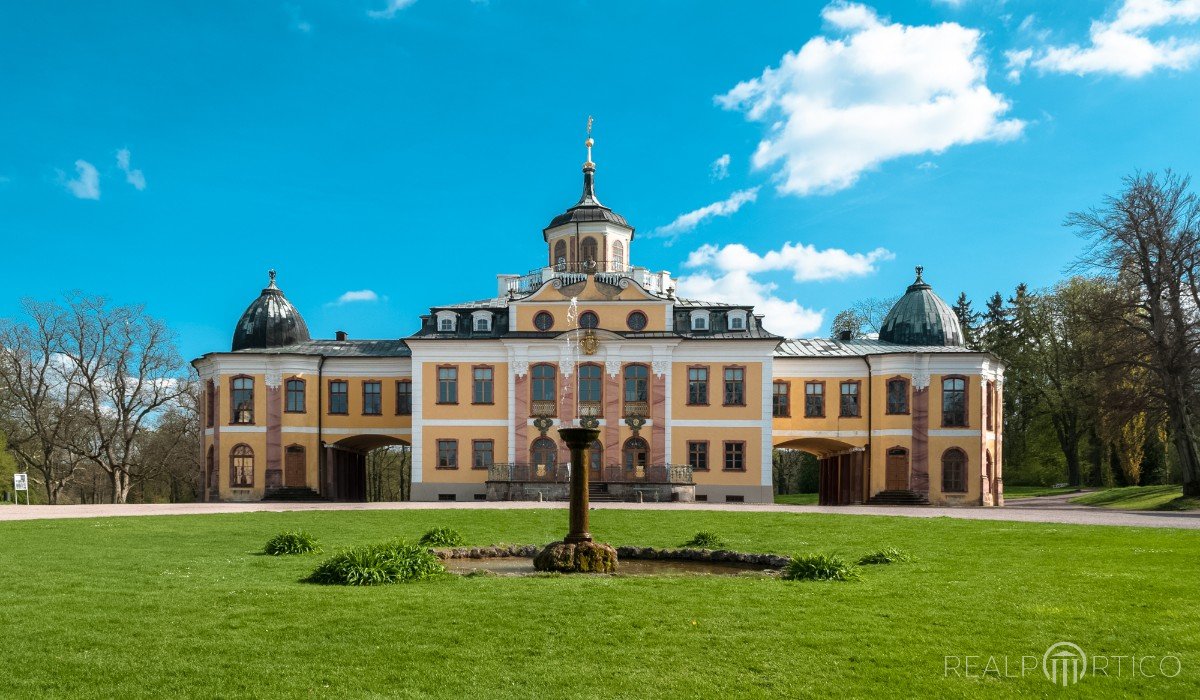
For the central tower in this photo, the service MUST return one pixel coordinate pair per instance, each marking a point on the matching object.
(589, 237)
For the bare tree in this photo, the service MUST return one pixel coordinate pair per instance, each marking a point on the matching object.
(126, 369)
(872, 311)
(1148, 238)
(168, 454)
(40, 404)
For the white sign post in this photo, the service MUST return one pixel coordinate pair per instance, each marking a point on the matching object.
(21, 483)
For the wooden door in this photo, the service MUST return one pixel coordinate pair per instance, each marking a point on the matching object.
(897, 469)
(293, 467)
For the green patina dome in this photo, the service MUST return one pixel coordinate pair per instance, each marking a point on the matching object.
(921, 318)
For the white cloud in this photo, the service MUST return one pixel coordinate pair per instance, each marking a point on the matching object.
(726, 207)
(841, 106)
(361, 295)
(132, 175)
(720, 168)
(728, 273)
(86, 184)
(1016, 61)
(1121, 46)
(393, 8)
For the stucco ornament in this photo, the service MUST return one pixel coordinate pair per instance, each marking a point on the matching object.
(589, 343)
(660, 367)
(920, 380)
(520, 367)
(273, 377)
(613, 366)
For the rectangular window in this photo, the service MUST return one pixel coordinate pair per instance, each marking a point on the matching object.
(814, 399)
(242, 400)
(781, 400)
(849, 403)
(447, 451)
(697, 452)
(447, 385)
(372, 398)
(697, 386)
(735, 456)
(897, 396)
(404, 398)
(339, 397)
(481, 324)
(483, 385)
(735, 386)
(590, 384)
(991, 405)
(954, 402)
(294, 402)
(482, 453)
(210, 408)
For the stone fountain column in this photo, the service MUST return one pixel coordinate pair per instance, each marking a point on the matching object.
(577, 552)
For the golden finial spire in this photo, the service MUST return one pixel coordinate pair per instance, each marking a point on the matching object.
(589, 142)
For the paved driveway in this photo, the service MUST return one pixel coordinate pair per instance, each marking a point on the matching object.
(1041, 511)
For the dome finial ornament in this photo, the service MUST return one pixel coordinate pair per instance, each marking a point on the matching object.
(589, 142)
(920, 271)
(271, 276)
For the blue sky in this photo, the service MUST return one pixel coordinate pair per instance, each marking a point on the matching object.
(169, 154)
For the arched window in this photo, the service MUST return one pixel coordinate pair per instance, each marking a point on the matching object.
(242, 400)
(589, 319)
(954, 471)
(211, 464)
(618, 256)
(954, 402)
(241, 466)
(637, 380)
(635, 453)
(587, 249)
(560, 255)
(294, 396)
(543, 452)
(897, 396)
(596, 455)
(543, 382)
(591, 382)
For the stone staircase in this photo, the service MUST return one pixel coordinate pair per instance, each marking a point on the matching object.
(598, 493)
(291, 493)
(898, 497)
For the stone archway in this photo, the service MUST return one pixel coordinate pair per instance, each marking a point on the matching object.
(841, 469)
(344, 471)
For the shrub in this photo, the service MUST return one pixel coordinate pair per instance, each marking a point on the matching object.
(887, 555)
(820, 567)
(371, 565)
(442, 537)
(705, 540)
(299, 542)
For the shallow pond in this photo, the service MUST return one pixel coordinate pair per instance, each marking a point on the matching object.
(523, 566)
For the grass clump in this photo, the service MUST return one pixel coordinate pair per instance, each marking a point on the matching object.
(298, 542)
(375, 564)
(820, 567)
(705, 540)
(887, 555)
(442, 537)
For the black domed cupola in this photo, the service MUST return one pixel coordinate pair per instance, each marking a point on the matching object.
(270, 322)
(921, 318)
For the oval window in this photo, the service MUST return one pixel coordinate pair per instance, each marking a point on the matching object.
(543, 321)
(637, 321)
(588, 319)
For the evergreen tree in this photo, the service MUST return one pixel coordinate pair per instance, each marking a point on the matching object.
(968, 319)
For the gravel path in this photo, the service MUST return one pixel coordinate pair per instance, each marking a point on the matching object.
(1043, 511)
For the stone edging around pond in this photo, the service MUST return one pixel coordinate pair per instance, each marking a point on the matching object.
(767, 561)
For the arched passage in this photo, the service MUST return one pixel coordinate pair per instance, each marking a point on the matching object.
(841, 469)
(350, 466)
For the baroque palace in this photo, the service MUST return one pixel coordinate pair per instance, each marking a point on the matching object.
(691, 396)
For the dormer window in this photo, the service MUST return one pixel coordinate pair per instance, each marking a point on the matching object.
(481, 321)
(445, 324)
(737, 319)
(447, 321)
(481, 324)
(699, 320)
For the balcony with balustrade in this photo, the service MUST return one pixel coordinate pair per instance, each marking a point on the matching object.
(567, 273)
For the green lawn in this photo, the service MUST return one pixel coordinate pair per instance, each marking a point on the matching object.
(796, 499)
(1036, 491)
(183, 606)
(1140, 498)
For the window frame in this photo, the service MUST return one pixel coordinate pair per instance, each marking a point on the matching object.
(857, 384)
(534, 385)
(966, 401)
(475, 444)
(579, 379)
(961, 470)
(990, 407)
(288, 392)
(824, 398)
(378, 383)
(234, 483)
(542, 313)
(409, 394)
(533, 450)
(625, 383)
(887, 405)
(637, 313)
(588, 313)
(210, 404)
(631, 465)
(787, 394)
(726, 454)
(438, 385)
(725, 381)
(705, 453)
(451, 443)
(346, 394)
(233, 396)
(705, 381)
(490, 383)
